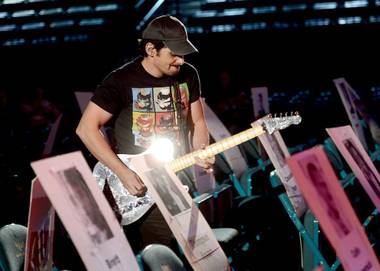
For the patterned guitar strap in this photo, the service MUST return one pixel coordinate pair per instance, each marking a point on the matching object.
(184, 147)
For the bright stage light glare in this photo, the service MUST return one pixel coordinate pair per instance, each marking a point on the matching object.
(163, 149)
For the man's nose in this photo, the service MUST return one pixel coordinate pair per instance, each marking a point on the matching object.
(179, 60)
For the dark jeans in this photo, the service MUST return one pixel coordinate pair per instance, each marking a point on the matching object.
(149, 229)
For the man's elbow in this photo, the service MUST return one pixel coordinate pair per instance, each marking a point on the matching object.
(79, 130)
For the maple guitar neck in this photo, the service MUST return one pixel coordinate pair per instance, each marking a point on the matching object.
(215, 148)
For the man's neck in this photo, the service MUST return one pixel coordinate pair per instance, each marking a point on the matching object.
(150, 68)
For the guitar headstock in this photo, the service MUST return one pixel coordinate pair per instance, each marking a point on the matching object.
(274, 123)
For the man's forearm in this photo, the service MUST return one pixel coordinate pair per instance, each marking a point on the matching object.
(100, 149)
(200, 136)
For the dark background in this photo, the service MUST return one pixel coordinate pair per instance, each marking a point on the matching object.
(297, 64)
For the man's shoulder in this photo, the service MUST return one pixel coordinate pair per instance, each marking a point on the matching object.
(188, 71)
(131, 66)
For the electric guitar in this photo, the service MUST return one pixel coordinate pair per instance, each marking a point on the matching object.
(131, 208)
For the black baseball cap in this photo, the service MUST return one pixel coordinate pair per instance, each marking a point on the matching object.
(172, 32)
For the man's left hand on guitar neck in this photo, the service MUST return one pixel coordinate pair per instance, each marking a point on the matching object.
(206, 163)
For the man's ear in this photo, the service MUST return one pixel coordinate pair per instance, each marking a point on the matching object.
(149, 48)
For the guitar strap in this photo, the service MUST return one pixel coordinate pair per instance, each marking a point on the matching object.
(184, 143)
(177, 101)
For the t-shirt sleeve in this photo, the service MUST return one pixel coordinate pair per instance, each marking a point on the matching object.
(108, 94)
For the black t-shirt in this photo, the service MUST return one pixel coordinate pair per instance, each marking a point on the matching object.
(144, 107)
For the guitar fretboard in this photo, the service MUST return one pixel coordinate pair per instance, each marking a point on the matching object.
(215, 148)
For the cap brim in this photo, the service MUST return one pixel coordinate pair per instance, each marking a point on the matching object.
(180, 47)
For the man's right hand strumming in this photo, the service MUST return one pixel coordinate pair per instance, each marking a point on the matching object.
(133, 183)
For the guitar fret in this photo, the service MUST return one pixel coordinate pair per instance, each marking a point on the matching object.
(189, 160)
(174, 164)
(185, 162)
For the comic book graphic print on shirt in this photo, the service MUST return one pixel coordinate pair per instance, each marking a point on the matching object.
(154, 113)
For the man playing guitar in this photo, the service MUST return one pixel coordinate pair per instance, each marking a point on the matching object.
(159, 73)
